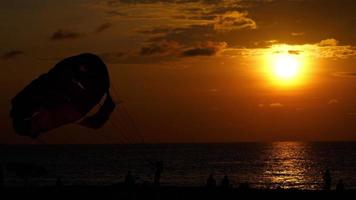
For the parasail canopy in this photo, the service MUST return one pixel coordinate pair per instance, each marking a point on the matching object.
(65, 94)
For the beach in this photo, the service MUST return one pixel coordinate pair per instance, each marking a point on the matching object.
(286, 165)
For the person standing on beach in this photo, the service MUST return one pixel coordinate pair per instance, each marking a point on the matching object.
(211, 182)
(225, 183)
(159, 169)
(59, 184)
(1, 176)
(129, 179)
(327, 180)
(340, 187)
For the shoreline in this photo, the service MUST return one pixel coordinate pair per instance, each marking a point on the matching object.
(121, 191)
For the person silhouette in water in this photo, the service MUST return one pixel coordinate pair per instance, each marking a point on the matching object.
(211, 182)
(159, 169)
(327, 180)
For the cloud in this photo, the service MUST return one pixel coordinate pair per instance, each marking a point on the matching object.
(271, 105)
(296, 34)
(234, 20)
(345, 74)
(161, 48)
(103, 27)
(115, 13)
(294, 52)
(173, 48)
(207, 49)
(113, 2)
(276, 105)
(157, 30)
(333, 101)
(113, 57)
(11, 54)
(243, 22)
(328, 48)
(63, 35)
(328, 42)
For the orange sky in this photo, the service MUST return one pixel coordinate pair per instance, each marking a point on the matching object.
(193, 71)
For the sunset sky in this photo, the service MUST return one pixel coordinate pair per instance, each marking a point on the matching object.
(195, 71)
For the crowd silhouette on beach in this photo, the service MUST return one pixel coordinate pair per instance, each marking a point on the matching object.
(211, 183)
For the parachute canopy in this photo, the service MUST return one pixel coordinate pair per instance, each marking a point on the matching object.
(65, 94)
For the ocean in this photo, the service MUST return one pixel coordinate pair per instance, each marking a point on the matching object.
(298, 165)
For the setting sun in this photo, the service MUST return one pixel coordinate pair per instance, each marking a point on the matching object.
(286, 67)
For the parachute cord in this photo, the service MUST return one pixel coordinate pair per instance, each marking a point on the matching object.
(40, 141)
(133, 122)
(137, 130)
(140, 140)
(125, 125)
(124, 138)
(129, 141)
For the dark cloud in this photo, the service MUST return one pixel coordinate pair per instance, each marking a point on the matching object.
(113, 57)
(157, 30)
(295, 22)
(115, 13)
(11, 54)
(294, 52)
(161, 48)
(208, 49)
(114, 2)
(63, 35)
(173, 48)
(199, 51)
(103, 27)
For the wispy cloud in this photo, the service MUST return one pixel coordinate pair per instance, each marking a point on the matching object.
(64, 35)
(11, 54)
(276, 105)
(103, 27)
(328, 48)
(207, 49)
(234, 20)
(161, 48)
(333, 101)
(173, 48)
(328, 42)
(345, 74)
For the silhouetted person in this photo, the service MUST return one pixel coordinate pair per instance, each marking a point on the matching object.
(129, 179)
(211, 182)
(59, 183)
(1, 176)
(244, 186)
(159, 169)
(225, 183)
(340, 186)
(327, 180)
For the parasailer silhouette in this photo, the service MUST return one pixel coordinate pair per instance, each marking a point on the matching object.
(76, 90)
(66, 94)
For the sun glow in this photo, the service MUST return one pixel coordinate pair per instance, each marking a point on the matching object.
(285, 66)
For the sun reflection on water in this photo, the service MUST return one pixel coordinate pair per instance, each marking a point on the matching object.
(287, 165)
